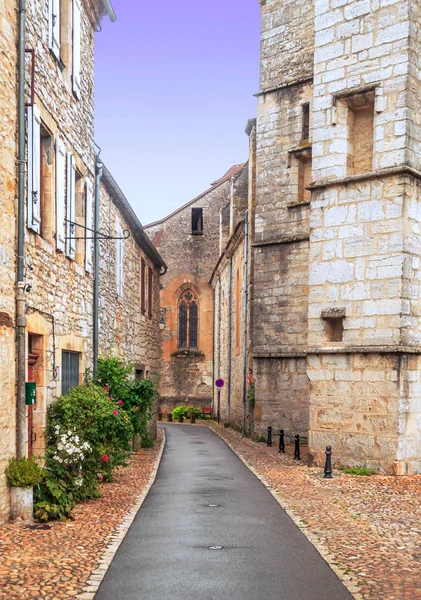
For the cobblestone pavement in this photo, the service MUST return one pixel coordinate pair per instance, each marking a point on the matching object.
(367, 528)
(57, 563)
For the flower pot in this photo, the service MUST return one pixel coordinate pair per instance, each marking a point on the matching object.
(193, 419)
(181, 419)
(22, 503)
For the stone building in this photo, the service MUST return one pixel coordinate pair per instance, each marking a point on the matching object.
(130, 272)
(61, 179)
(8, 192)
(188, 240)
(336, 339)
(230, 281)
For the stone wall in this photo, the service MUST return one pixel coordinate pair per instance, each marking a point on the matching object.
(8, 193)
(187, 373)
(364, 250)
(123, 330)
(281, 222)
(59, 304)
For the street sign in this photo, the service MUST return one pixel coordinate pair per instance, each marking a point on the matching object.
(219, 383)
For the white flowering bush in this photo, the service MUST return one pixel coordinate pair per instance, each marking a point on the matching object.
(87, 437)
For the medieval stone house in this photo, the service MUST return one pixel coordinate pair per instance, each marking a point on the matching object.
(336, 341)
(61, 184)
(189, 242)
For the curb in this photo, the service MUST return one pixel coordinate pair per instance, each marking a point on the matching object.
(329, 558)
(119, 534)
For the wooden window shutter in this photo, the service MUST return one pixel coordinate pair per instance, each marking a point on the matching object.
(76, 46)
(60, 195)
(34, 168)
(71, 207)
(142, 286)
(150, 291)
(89, 225)
(54, 27)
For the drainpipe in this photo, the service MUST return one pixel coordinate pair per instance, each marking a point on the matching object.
(21, 429)
(229, 339)
(246, 260)
(213, 346)
(98, 175)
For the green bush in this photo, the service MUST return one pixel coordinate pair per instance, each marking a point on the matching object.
(87, 436)
(23, 472)
(136, 398)
(180, 411)
(363, 471)
(186, 411)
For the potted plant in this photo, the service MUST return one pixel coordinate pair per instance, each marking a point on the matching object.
(22, 474)
(179, 413)
(193, 412)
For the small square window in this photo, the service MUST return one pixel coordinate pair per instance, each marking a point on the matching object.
(197, 221)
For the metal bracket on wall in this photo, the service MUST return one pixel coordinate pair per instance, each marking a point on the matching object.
(99, 234)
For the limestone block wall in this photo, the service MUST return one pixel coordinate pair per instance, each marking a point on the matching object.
(232, 392)
(282, 396)
(286, 41)
(364, 227)
(187, 373)
(73, 116)
(360, 405)
(281, 254)
(360, 44)
(123, 330)
(8, 37)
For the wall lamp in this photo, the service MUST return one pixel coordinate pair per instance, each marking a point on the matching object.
(162, 320)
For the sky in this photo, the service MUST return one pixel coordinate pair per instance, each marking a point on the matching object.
(174, 89)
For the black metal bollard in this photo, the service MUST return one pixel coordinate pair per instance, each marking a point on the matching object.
(169, 417)
(297, 448)
(281, 442)
(328, 464)
(269, 438)
(159, 416)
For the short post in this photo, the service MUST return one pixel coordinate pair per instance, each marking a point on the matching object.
(328, 464)
(269, 438)
(281, 442)
(159, 416)
(169, 417)
(297, 447)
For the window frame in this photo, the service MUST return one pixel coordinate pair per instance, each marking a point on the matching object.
(69, 384)
(197, 225)
(187, 300)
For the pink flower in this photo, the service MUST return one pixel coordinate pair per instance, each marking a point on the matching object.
(101, 479)
(105, 388)
(120, 402)
(115, 413)
(111, 398)
(105, 458)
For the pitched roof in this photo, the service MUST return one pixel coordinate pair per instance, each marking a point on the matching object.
(128, 213)
(232, 172)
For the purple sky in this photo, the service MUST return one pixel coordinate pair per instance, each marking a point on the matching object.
(174, 88)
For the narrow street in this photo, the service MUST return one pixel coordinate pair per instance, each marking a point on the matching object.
(205, 497)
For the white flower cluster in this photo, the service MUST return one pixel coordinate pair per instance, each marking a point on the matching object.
(70, 448)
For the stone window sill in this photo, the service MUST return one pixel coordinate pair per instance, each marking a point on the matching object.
(187, 353)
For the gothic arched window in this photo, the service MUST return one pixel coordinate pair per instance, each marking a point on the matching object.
(188, 320)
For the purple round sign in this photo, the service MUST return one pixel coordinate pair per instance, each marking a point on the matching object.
(219, 383)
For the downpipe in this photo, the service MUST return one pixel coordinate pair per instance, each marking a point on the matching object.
(21, 429)
(245, 323)
(98, 175)
(229, 340)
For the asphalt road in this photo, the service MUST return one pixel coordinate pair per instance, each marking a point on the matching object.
(166, 554)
